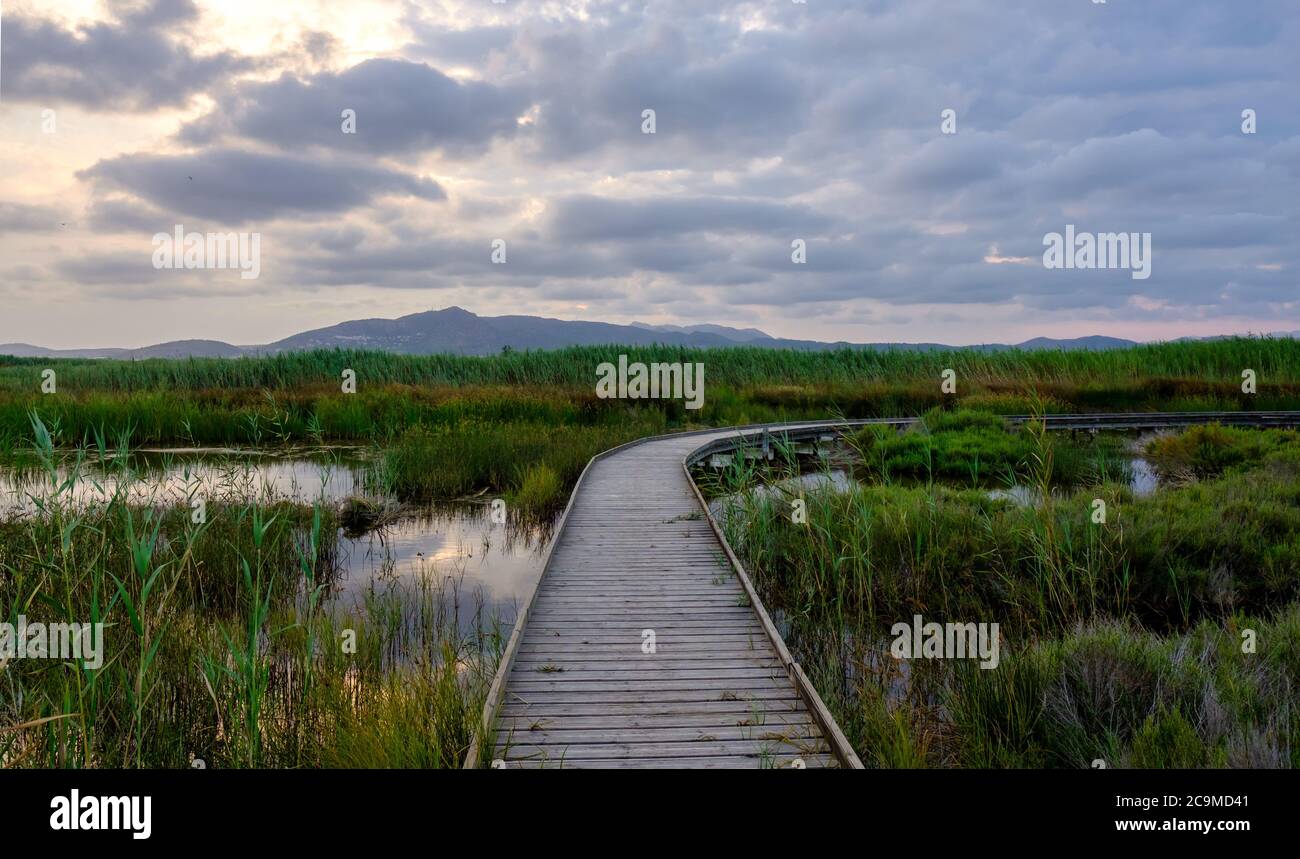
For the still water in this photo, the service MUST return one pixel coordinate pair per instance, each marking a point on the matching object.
(487, 565)
(1141, 477)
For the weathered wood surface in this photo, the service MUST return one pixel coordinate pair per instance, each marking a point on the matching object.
(636, 553)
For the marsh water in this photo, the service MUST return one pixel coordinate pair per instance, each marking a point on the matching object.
(486, 568)
(832, 471)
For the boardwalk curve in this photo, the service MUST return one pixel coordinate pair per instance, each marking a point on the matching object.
(637, 559)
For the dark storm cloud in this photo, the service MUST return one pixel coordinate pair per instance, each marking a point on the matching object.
(399, 107)
(139, 61)
(233, 186)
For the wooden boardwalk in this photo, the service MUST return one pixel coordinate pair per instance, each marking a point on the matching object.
(636, 553)
(637, 562)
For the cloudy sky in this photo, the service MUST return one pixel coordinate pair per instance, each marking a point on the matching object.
(774, 121)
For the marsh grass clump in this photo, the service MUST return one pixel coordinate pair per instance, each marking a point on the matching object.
(540, 491)
(359, 515)
(974, 447)
(1211, 450)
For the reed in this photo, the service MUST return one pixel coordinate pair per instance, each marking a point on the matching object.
(1273, 359)
(298, 397)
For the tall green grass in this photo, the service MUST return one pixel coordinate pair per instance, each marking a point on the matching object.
(297, 396)
(1274, 360)
(1139, 615)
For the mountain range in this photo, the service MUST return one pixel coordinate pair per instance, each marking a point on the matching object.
(458, 331)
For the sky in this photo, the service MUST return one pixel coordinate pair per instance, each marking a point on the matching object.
(861, 170)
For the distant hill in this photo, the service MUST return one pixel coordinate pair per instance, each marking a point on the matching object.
(739, 335)
(1093, 343)
(458, 331)
(172, 349)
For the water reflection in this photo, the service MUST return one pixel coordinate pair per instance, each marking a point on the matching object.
(1139, 474)
(484, 567)
(164, 477)
(497, 563)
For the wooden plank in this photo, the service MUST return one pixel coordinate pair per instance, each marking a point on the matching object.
(620, 651)
(541, 678)
(631, 652)
(757, 710)
(575, 721)
(640, 602)
(689, 695)
(702, 642)
(612, 598)
(641, 662)
(630, 625)
(636, 614)
(713, 640)
(649, 618)
(577, 632)
(722, 607)
(703, 586)
(691, 748)
(801, 735)
(781, 761)
(522, 685)
(632, 633)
